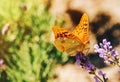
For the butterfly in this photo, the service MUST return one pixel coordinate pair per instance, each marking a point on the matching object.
(75, 41)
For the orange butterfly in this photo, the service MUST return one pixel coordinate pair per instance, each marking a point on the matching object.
(73, 42)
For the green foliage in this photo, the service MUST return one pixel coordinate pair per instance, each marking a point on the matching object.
(27, 48)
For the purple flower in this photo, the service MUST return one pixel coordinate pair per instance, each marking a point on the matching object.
(89, 66)
(101, 73)
(82, 60)
(106, 45)
(114, 53)
(96, 47)
(96, 79)
(106, 52)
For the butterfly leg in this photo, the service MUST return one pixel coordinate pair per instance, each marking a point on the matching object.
(87, 50)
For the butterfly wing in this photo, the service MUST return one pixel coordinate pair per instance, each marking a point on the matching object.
(81, 31)
(61, 32)
(65, 40)
(67, 45)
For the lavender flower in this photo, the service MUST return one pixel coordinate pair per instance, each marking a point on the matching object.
(96, 79)
(89, 66)
(106, 52)
(101, 73)
(82, 60)
(109, 55)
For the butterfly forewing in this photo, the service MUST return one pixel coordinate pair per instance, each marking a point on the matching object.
(63, 33)
(81, 31)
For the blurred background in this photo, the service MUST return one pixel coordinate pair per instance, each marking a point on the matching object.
(27, 53)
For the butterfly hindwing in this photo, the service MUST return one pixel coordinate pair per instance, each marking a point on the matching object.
(67, 45)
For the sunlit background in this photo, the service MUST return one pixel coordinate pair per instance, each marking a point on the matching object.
(27, 53)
